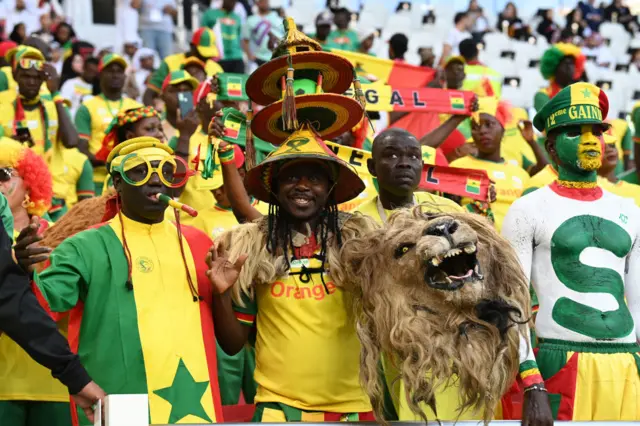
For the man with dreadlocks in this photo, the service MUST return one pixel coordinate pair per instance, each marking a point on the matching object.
(281, 272)
(128, 280)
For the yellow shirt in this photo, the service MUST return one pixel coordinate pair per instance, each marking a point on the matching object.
(73, 178)
(434, 203)
(23, 379)
(544, 177)
(33, 120)
(93, 118)
(510, 182)
(215, 220)
(623, 189)
(307, 351)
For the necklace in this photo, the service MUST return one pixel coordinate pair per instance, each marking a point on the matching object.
(106, 101)
(383, 213)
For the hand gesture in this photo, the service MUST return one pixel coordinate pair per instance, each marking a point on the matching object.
(188, 124)
(27, 250)
(88, 397)
(52, 78)
(216, 127)
(526, 130)
(222, 273)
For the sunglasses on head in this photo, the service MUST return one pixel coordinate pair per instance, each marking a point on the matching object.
(28, 63)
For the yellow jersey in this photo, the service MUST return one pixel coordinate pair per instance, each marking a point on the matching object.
(92, 119)
(37, 120)
(307, 350)
(434, 204)
(217, 219)
(510, 181)
(544, 177)
(73, 178)
(622, 188)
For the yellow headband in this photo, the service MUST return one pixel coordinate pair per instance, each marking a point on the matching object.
(145, 148)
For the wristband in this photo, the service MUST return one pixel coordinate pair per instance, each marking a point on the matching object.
(226, 156)
(536, 387)
(225, 148)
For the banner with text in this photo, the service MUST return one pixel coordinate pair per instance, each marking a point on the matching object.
(382, 97)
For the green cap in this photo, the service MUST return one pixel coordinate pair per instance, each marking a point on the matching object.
(579, 103)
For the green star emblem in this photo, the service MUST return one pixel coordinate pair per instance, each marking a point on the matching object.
(216, 167)
(184, 395)
(586, 93)
(426, 155)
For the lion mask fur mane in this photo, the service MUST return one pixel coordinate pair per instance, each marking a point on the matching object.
(470, 331)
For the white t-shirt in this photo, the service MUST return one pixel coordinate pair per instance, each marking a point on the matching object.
(454, 38)
(76, 91)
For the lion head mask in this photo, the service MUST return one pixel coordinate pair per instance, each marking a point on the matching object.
(443, 295)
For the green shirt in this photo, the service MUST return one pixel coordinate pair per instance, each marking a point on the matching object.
(7, 217)
(230, 27)
(345, 40)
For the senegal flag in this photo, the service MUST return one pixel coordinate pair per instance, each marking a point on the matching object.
(399, 74)
(473, 186)
(231, 87)
(150, 337)
(232, 125)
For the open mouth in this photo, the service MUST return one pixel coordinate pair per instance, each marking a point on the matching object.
(451, 270)
(301, 202)
(591, 153)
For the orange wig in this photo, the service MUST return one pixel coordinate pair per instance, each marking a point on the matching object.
(34, 172)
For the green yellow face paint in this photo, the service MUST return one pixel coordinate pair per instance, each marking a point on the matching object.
(580, 153)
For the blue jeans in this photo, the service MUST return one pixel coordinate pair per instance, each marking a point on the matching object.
(161, 41)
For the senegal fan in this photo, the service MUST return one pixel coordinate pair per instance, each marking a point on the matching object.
(281, 272)
(487, 135)
(129, 124)
(27, 390)
(125, 310)
(25, 115)
(95, 114)
(202, 46)
(561, 64)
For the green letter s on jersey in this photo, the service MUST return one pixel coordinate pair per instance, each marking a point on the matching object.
(569, 240)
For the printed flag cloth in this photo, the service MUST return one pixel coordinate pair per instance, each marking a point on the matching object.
(394, 73)
(134, 346)
(236, 131)
(232, 87)
(387, 98)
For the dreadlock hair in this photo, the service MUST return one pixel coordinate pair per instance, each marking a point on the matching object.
(280, 237)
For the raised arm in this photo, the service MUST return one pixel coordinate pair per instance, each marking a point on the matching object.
(234, 186)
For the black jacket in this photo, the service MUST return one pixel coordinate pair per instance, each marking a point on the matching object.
(23, 320)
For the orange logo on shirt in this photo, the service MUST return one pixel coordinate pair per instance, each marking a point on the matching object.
(314, 291)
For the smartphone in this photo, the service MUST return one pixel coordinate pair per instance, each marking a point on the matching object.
(24, 135)
(185, 103)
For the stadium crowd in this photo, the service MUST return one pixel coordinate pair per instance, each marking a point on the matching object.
(253, 143)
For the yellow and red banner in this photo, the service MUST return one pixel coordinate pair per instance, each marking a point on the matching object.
(394, 73)
(381, 97)
(467, 183)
